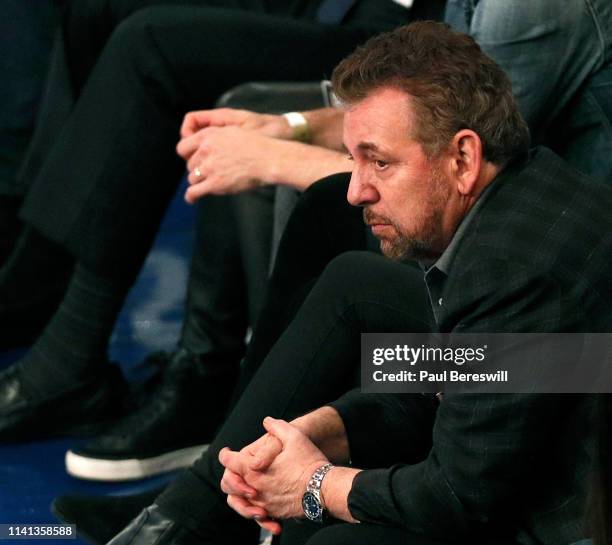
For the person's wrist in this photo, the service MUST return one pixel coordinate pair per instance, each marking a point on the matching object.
(276, 126)
(335, 490)
(300, 128)
(307, 479)
(284, 131)
(273, 170)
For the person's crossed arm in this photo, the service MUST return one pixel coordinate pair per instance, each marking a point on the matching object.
(229, 151)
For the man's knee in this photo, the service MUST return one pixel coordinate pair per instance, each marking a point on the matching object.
(100, 13)
(329, 192)
(324, 210)
(351, 274)
(85, 12)
(132, 38)
(351, 266)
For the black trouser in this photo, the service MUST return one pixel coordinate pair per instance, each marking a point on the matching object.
(316, 359)
(109, 173)
(229, 266)
(26, 34)
(370, 534)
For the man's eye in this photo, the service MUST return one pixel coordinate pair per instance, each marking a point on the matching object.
(381, 165)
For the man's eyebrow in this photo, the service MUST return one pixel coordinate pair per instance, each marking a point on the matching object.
(368, 146)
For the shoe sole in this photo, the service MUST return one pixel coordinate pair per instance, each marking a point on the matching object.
(100, 469)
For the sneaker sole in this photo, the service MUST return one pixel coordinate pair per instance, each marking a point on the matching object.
(99, 469)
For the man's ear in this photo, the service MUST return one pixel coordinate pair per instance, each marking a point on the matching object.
(466, 160)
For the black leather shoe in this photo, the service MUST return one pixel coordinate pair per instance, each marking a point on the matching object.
(99, 518)
(169, 430)
(80, 410)
(152, 527)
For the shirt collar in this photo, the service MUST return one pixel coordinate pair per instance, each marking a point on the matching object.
(445, 261)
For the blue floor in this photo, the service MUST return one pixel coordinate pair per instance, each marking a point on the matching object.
(32, 474)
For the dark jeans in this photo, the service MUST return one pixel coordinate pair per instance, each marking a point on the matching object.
(558, 57)
(316, 359)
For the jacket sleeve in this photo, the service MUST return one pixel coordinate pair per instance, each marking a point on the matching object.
(487, 448)
(384, 429)
(485, 451)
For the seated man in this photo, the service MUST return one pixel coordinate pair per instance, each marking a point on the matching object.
(93, 159)
(443, 176)
(573, 99)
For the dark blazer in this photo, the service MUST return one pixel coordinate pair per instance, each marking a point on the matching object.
(536, 258)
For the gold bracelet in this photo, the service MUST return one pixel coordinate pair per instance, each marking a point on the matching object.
(300, 126)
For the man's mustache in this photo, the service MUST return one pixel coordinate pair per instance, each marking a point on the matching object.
(370, 218)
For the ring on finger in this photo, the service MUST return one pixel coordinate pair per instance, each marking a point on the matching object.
(197, 172)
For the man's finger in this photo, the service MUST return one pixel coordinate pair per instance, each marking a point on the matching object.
(197, 159)
(219, 117)
(196, 192)
(187, 146)
(194, 121)
(265, 453)
(245, 509)
(234, 484)
(197, 175)
(271, 525)
(280, 428)
(234, 461)
(188, 125)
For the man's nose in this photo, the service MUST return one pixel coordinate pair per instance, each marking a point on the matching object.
(360, 191)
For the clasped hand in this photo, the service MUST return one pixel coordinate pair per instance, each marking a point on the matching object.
(228, 151)
(266, 479)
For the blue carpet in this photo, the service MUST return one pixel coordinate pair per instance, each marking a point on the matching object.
(32, 474)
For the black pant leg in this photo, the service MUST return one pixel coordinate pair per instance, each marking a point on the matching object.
(322, 226)
(85, 27)
(216, 309)
(314, 362)
(362, 534)
(254, 216)
(26, 35)
(370, 534)
(107, 180)
(88, 24)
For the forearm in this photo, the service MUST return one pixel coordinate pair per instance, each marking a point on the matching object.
(326, 127)
(325, 429)
(299, 165)
(335, 491)
(398, 424)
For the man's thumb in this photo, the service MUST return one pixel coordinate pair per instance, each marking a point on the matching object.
(279, 428)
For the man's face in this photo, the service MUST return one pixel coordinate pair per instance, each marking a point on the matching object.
(405, 195)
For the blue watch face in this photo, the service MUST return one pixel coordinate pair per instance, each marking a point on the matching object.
(312, 507)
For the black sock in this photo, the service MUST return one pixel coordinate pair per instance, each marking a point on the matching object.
(35, 268)
(73, 346)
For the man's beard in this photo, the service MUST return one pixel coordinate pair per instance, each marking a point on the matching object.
(425, 245)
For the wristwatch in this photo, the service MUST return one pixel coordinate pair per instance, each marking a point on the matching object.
(312, 502)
